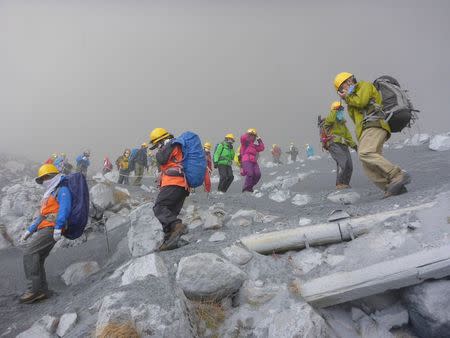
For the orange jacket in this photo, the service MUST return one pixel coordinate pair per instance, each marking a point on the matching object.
(49, 210)
(169, 159)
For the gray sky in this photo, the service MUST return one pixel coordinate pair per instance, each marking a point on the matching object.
(101, 74)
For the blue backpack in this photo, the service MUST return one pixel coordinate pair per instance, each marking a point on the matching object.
(194, 160)
(78, 218)
(132, 159)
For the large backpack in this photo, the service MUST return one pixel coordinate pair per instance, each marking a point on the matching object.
(132, 159)
(325, 136)
(78, 218)
(397, 106)
(194, 161)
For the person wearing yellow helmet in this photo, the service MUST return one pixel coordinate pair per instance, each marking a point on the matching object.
(276, 154)
(140, 162)
(364, 106)
(337, 144)
(45, 231)
(173, 187)
(251, 146)
(209, 167)
(223, 160)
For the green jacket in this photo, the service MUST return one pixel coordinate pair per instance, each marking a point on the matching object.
(339, 130)
(224, 154)
(359, 101)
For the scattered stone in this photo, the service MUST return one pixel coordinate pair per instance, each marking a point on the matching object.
(78, 272)
(393, 317)
(215, 218)
(344, 197)
(116, 221)
(102, 196)
(368, 327)
(243, 218)
(307, 259)
(255, 293)
(121, 195)
(206, 275)
(304, 221)
(43, 328)
(142, 267)
(237, 254)
(218, 236)
(300, 200)
(280, 195)
(66, 323)
(440, 142)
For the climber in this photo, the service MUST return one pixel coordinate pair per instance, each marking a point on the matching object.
(339, 142)
(372, 131)
(83, 162)
(141, 163)
(123, 165)
(46, 230)
(209, 167)
(59, 161)
(173, 187)
(293, 151)
(107, 165)
(309, 151)
(223, 159)
(276, 154)
(251, 146)
(51, 159)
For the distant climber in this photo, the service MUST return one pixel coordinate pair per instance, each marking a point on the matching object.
(209, 167)
(309, 151)
(251, 146)
(107, 165)
(123, 165)
(83, 162)
(46, 230)
(364, 107)
(223, 160)
(141, 163)
(338, 143)
(173, 187)
(293, 152)
(276, 154)
(51, 159)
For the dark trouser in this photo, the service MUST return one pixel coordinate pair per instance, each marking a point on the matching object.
(139, 171)
(294, 157)
(226, 177)
(340, 153)
(168, 205)
(34, 256)
(124, 177)
(252, 175)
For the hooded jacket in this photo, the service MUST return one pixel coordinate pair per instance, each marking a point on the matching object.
(249, 150)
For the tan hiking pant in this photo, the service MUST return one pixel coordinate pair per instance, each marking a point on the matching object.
(370, 150)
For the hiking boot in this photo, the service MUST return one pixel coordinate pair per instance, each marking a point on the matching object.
(403, 190)
(398, 182)
(342, 186)
(172, 241)
(31, 297)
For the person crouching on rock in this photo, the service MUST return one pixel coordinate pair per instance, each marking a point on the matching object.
(46, 229)
(251, 146)
(173, 187)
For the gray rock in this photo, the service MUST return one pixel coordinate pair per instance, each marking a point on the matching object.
(207, 275)
(244, 218)
(440, 142)
(344, 197)
(256, 293)
(237, 254)
(102, 196)
(368, 327)
(43, 328)
(218, 236)
(393, 317)
(116, 221)
(78, 272)
(66, 323)
(429, 308)
(213, 221)
(142, 267)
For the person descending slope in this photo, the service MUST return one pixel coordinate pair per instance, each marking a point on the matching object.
(83, 163)
(141, 163)
(209, 166)
(293, 151)
(47, 229)
(364, 107)
(123, 165)
(251, 146)
(223, 159)
(276, 154)
(340, 140)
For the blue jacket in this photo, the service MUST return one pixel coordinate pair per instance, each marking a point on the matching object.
(83, 161)
(64, 198)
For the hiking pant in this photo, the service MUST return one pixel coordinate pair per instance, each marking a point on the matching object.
(252, 175)
(340, 153)
(168, 205)
(35, 253)
(124, 177)
(277, 160)
(370, 150)
(294, 157)
(139, 171)
(207, 182)
(226, 177)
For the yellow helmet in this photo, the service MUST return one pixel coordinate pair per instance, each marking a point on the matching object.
(341, 78)
(230, 136)
(144, 145)
(335, 105)
(158, 134)
(274, 145)
(207, 146)
(44, 170)
(252, 131)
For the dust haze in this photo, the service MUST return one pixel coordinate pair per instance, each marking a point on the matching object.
(100, 75)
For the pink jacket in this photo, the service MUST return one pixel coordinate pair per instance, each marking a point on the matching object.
(249, 150)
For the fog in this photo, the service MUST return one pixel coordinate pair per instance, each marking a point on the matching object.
(100, 75)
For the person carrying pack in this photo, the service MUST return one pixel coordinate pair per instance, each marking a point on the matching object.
(209, 167)
(140, 161)
(64, 212)
(83, 162)
(364, 105)
(223, 159)
(251, 146)
(183, 165)
(123, 165)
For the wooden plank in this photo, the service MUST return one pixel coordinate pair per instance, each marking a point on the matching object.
(408, 270)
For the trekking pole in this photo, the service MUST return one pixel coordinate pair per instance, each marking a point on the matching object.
(107, 240)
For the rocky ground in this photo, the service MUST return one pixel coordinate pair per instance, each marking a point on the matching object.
(215, 287)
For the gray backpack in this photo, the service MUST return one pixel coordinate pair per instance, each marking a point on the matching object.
(397, 107)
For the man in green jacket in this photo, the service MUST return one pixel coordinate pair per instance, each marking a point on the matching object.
(364, 107)
(338, 145)
(223, 159)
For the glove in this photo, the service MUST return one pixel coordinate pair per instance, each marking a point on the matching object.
(57, 234)
(25, 236)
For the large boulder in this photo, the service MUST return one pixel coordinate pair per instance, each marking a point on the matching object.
(440, 142)
(102, 196)
(206, 275)
(429, 308)
(142, 267)
(145, 232)
(78, 272)
(237, 254)
(66, 323)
